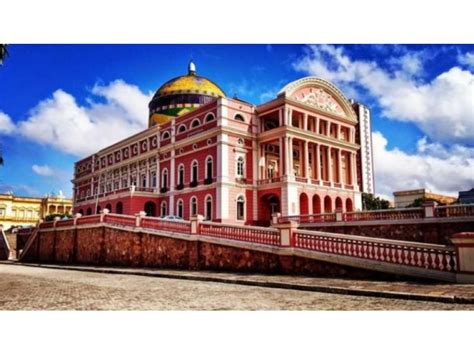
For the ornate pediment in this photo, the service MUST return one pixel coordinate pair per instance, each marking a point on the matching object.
(322, 100)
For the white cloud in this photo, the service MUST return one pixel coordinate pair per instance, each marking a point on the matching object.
(433, 166)
(63, 124)
(6, 124)
(43, 170)
(466, 59)
(443, 108)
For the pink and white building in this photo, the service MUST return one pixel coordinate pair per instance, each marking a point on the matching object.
(231, 161)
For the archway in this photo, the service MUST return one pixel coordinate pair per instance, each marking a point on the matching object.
(119, 208)
(109, 207)
(316, 204)
(338, 203)
(304, 204)
(349, 207)
(98, 209)
(89, 211)
(327, 204)
(150, 209)
(81, 212)
(269, 204)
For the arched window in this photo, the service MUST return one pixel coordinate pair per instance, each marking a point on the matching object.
(164, 179)
(194, 173)
(119, 208)
(209, 170)
(180, 209)
(180, 176)
(209, 117)
(193, 206)
(153, 178)
(98, 210)
(165, 135)
(208, 208)
(239, 117)
(195, 123)
(182, 128)
(164, 209)
(240, 208)
(89, 211)
(109, 207)
(81, 212)
(240, 166)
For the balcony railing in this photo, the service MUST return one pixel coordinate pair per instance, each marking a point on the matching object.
(269, 181)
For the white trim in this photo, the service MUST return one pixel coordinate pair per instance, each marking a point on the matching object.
(181, 126)
(237, 208)
(191, 126)
(239, 114)
(191, 205)
(207, 115)
(205, 206)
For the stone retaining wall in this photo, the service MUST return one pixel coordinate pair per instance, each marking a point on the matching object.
(109, 246)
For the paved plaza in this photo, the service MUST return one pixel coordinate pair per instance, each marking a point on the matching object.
(35, 288)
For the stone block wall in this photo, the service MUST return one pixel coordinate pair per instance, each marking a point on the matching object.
(108, 246)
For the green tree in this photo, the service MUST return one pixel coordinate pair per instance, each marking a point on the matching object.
(370, 202)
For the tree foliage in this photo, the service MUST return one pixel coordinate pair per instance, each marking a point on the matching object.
(370, 202)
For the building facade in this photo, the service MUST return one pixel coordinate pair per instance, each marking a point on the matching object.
(405, 198)
(231, 161)
(23, 211)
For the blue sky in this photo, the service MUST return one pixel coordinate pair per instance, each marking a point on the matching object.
(61, 102)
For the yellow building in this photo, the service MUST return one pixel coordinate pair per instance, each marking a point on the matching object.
(23, 211)
(407, 197)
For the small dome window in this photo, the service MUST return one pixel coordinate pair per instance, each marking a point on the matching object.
(239, 117)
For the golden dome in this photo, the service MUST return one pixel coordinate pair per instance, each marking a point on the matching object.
(181, 95)
(190, 83)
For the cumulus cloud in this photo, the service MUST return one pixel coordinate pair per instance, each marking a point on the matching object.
(43, 170)
(6, 124)
(114, 112)
(434, 166)
(466, 59)
(443, 107)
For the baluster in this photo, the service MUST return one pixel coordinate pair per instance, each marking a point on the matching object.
(415, 256)
(444, 258)
(437, 261)
(429, 259)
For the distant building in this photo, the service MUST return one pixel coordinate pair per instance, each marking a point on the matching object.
(23, 210)
(365, 161)
(466, 196)
(407, 197)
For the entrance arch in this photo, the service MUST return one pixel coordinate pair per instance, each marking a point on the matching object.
(150, 209)
(304, 208)
(316, 204)
(269, 204)
(119, 208)
(338, 203)
(349, 206)
(327, 204)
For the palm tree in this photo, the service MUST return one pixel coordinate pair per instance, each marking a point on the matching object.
(3, 52)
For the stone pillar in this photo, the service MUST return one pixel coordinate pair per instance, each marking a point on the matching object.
(339, 215)
(464, 244)
(353, 170)
(195, 221)
(139, 217)
(429, 209)
(318, 162)
(306, 159)
(339, 167)
(286, 232)
(275, 217)
(290, 156)
(103, 213)
(305, 122)
(329, 165)
(317, 124)
(76, 217)
(282, 154)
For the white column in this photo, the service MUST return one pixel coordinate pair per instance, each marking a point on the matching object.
(290, 156)
(282, 154)
(290, 117)
(353, 170)
(339, 167)
(329, 164)
(306, 159)
(305, 122)
(317, 126)
(318, 162)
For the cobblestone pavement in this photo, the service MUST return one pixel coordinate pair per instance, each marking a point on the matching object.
(33, 288)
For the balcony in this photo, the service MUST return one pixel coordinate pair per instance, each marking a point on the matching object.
(269, 181)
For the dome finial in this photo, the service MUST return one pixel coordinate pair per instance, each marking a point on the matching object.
(191, 68)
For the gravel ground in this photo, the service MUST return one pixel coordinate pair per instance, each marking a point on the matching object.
(30, 288)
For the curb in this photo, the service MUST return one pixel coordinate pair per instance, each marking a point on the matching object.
(267, 284)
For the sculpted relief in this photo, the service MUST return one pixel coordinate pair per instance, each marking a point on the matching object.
(320, 99)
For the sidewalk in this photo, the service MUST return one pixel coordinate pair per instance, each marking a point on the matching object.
(428, 291)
